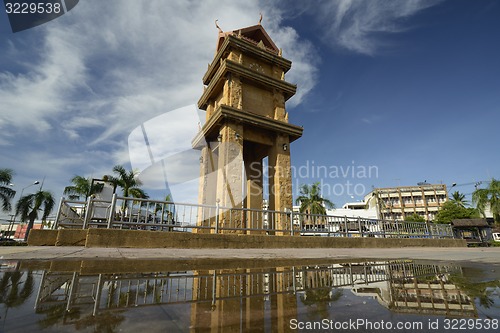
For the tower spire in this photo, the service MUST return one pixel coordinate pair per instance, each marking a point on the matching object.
(217, 26)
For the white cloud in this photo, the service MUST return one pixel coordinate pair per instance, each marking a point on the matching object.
(371, 119)
(353, 24)
(167, 134)
(29, 100)
(301, 52)
(106, 67)
(119, 64)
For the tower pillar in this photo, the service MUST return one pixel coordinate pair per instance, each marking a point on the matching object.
(280, 183)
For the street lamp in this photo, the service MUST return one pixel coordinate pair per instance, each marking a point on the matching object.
(22, 191)
(13, 221)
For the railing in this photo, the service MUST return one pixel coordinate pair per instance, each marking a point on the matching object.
(71, 213)
(338, 226)
(120, 291)
(156, 215)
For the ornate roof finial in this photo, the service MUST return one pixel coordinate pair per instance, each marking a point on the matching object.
(217, 26)
(260, 20)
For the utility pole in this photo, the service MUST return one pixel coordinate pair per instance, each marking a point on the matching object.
(11, 225)
(20, 197)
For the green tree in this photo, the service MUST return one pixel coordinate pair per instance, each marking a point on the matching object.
(29, 206)
(414, 218)
(451, 211)
(482, 291)
(319, 299)
(459, 199)
(128, 182)
(14, 290)
(6, 193)
(82, 187)
(57, 315)
(311, 201)
(488, 197)
(165, 211)
(108, 322)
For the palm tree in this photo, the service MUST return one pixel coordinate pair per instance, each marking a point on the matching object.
(14, 290)
(166, 211)
(311, 201)
(6, 193)
(161, 207)
(29, 205)
(488, 197)
(128, 182)
(82, 187)
(459, 199)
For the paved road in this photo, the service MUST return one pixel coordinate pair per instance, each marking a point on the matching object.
(478, 255)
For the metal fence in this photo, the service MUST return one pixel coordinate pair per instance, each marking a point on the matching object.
(156, 215)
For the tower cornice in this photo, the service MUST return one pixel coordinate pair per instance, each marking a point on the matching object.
(224, 112)
(228, 66)
(233, 41)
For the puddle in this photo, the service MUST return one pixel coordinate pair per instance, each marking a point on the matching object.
(264, 296)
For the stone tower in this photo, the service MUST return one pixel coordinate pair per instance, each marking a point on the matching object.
(246, 121)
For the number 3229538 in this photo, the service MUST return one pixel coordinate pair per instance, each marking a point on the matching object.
(33, 8)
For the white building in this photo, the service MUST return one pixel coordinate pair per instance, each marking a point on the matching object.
(354, 209)
(350, 209)
(397, 203)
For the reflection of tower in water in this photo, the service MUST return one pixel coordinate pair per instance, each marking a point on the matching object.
(243, 299)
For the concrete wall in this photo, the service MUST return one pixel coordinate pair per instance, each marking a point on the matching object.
(152, 239)
(42, 237)
(71, 237)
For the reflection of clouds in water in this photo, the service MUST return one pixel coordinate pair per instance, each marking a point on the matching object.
(161, 150)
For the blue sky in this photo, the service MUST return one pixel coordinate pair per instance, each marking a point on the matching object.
(409, 90)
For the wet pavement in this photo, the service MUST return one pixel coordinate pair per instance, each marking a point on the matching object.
(67, 289)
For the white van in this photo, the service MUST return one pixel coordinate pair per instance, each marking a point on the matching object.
(496, 236)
